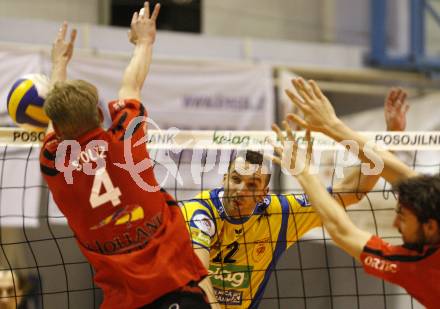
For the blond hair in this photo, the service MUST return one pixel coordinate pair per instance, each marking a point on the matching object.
(73, 107)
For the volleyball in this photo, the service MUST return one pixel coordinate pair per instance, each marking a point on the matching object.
(25, 101)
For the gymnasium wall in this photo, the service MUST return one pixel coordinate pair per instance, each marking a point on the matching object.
(333, 21)
(86, 11)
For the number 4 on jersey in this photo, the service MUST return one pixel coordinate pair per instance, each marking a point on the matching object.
(111, 193)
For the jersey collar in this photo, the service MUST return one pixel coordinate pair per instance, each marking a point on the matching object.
(90, 135)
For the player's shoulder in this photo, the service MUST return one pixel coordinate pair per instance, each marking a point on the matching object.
(128, 117)
(201, 199)
(299, 200)
(48, 155)
(380, 248)
(201, 202)
(50, 143)
(278, 201)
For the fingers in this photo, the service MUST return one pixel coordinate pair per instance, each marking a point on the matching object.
(155, 12)
(134, 18)
(402, 95)
(288, 130)
(390, 98)
(61, 36)
(304, 89)
(144, 13)
(403, 108)
(290, 137)
(278, 150)
(396, 98)
(316, 90)
(73, 35)
(62, 31)
(296, 119)
(296, 100)
(393, 94)
(146, 9)
(278, 132)
(309, 148)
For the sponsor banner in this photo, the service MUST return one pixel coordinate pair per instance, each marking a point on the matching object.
(175, 139)
(192, 96)
(196, 96)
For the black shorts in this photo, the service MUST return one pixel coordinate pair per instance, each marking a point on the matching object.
(190, 296)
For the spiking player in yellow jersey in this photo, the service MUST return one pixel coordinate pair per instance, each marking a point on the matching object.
(240, 231)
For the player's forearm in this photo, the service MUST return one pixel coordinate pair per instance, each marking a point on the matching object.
(334, 218)
(59, 72)
(206, 285)
(331, 213)
(394, 170)
(137, 70)
(353, 187)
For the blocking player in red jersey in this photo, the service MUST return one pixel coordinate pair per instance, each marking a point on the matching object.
(416, 264)
(130, 230)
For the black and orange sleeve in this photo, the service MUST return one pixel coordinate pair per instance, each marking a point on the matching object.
(129, 119)
(48, 155)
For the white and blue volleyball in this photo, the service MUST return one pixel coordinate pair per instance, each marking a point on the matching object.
(26, 99)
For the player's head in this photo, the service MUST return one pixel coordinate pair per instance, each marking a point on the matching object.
(9, 290)
(246, 183)
(73, 108)
(418, 210)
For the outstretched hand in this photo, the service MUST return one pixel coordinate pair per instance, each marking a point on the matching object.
(143, 26)
(290, 156)
(319, 114)
(62, 51)
(395, 110)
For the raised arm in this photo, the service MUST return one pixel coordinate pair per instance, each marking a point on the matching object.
(143, 35)
(355, 183)
(334, 218)
(320, 116)
(61, 54)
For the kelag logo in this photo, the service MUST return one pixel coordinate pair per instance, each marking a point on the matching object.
(230, 138)
(222, 139)
(231, 276)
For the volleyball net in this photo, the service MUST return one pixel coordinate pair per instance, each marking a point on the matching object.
(47, 270)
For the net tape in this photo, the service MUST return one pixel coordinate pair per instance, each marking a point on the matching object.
(174, 138)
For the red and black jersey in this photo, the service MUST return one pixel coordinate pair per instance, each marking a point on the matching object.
(130, 230)
(416, 271)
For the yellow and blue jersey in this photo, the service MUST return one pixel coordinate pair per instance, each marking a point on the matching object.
(243, 253)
